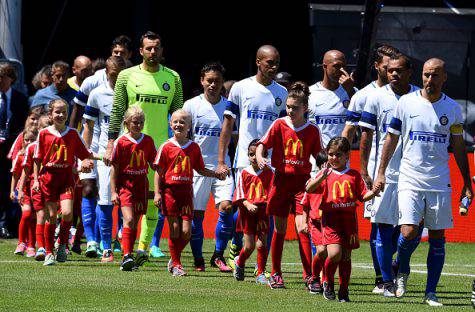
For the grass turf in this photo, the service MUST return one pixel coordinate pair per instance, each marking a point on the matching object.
(83, 284)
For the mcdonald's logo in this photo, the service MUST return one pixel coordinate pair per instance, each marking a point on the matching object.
(294, 147)
(186, 210)
(257, 191)
(341, 187)
(58, 150)
(69, 190)
(353, 239)
(183, 164)
(261, 226)
(139, 157)
(138, 206)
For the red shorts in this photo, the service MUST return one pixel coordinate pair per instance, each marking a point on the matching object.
(315, 229)
(177, 201)
(57, 184)
(286, 191)
(340, 228)
(32, 198)
(253, 223)
(133, 192)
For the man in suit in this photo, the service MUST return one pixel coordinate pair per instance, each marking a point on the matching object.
(13, 114)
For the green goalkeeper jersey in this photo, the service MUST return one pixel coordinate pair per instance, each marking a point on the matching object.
(157, 93)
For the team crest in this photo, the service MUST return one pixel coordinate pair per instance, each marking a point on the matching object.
(443, 120)
(278, 101)
(346, 103)
(166, 86)
(369, 207)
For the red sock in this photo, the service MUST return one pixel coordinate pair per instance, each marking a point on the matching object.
(40, 235)
(243, 256)
(126, 238)
(305, 249)
(49, 237)
(261, 259)
(32, 232)
(64, 231)
(175, 253)
(317, 266)
(277, 248)
(344, 271)
(23, 226)
(330, 269)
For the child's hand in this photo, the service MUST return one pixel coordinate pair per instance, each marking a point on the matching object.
(21, 195)
(36, 186)
(157, 200)
(12, 196)
(261, 162)
(115, 198)
(87, 163)
(251, 208)
(326, 169)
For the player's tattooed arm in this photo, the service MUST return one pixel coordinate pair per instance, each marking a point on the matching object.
(388, 151)
(313, 184)
(365, 149)
(349, 132)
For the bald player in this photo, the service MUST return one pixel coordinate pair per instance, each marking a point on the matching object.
(427, 121)
(82, 68)
(255, 103)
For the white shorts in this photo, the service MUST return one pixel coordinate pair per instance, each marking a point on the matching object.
(104, 183)
(385, 208)
(203, 186)
(434, 207)
(89, 175)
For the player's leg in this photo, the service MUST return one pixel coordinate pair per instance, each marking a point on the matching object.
(31, 251)
(148, 225)
(319, 257)
(129, 233)
(155, 251)
(344, 274)
(334, 254)
(174, 241)
(236, 242)
(88, 214)
(262, 254)
(384, 251)
(23, 227)
(246, 251)
(378, 281)
(197, 238)
(52, 210)
(104, 211)
(305, 248)
(40, 234)
(277, 247)
(66, 222)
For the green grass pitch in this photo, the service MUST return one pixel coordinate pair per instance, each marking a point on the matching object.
(87, 285)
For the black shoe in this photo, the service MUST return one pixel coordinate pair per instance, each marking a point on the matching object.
(128, 263)
(473, 293)
(76, 248)
(343, 295)
(329, 293)
(314, 286)
(4, 233)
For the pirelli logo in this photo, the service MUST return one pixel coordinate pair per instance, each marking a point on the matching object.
(137, 159)
(57, 152)
(152, 99)
(294, 148)
(257, 192)
(182, 164)
(341, 187)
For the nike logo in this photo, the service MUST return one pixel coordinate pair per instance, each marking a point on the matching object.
(200, 116)
(413, 116)
(138, 85)
(388, 110)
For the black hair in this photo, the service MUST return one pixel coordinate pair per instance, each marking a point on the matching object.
(150, 35)
(321, 158)
(212, 66)
(122, 40)
(399, 56)
(340, 143)
(383, 50)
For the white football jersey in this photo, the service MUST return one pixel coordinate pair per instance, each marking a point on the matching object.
(207, 122)
(376, 115)
(256, 106)
(98, 108)
(357, 103)
(327, 109)
(425, 129)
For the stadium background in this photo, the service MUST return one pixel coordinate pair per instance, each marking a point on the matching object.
(194, 33)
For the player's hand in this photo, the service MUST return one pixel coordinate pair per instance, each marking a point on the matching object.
(21, 195)
(367, 180)
(36, 186)
(115, 198)
(326, 170)
(12, 196)
(157, 200)
(107, 158)
(222, 169)
(252, 208)
(379, 183)
(221, 175)
(346, 80)
(261, 162)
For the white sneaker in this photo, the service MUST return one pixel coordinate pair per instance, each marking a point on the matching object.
(401, 281)
(432, 300)
(170, 266)
(61, 255)
(378, 289)
(49, 260)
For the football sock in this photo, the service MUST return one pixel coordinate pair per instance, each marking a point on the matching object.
(223, 231)
(64, 231)
(384, 251)
(97, 225)
(372, 245)
(149, 223)
(435, 263)
(276, 252)
(261, 259)
(173, 246)
(305, 250)
(158, 230)
(330, 269)
(317, 266)
(32, 231)
(270, 234)
(243, 256)
(105, 223)
(23, 226)
(49, 237)
(344, 271)
(40, 235)
(88, 212)
(126, 238)
(405, 248)
(197, 237)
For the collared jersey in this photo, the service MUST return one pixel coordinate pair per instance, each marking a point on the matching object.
(178, 162)
(292, 147)
(254, 186)
(425, 129)
(207, 121)
(327, 109)
(357, 103)
(377, 114)
(256, 107)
